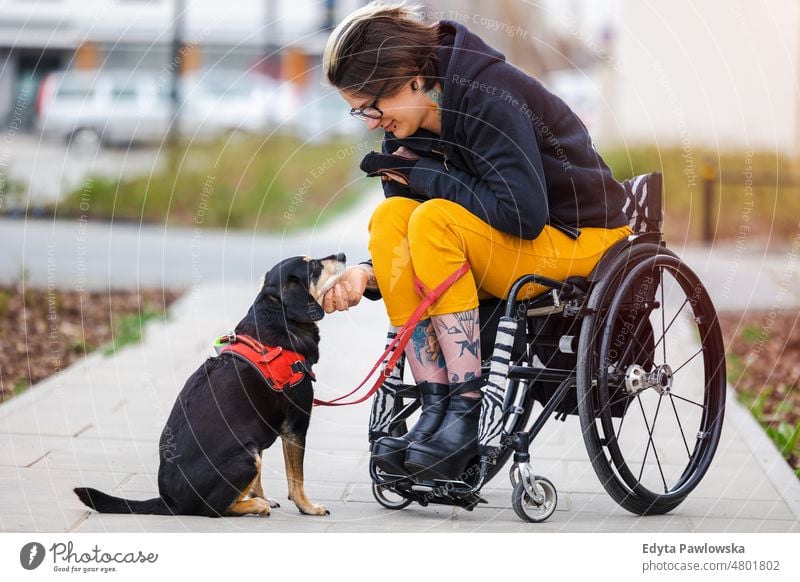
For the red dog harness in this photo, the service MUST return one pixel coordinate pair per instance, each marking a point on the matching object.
(278, 367)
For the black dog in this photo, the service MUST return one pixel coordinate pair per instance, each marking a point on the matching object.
(210, 449)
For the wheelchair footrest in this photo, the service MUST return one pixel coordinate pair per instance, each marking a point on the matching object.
(454, 493)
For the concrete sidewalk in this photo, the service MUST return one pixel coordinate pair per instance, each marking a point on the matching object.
(97, 424)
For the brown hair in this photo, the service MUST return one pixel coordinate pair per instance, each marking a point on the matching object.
(381, 44)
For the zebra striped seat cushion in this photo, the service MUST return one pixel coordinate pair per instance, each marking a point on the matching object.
(644, 204)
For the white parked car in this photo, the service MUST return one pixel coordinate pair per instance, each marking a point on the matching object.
(89, 108)
(86, 108)
(219, 102)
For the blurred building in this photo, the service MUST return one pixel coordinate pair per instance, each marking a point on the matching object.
(564, 43)
(711, 73)
(280, 38)
(718, 73)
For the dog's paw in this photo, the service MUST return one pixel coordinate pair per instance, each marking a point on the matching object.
(273, 503)
(314, 509)
(261, 508)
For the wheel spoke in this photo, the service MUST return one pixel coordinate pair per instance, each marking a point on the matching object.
(624, 413)
(650, 441)
(687, 361)
(663, 317)
(635, 336)
(703, 406)
(664, 333)
(618, 400)
(642, 348)
(680, 426)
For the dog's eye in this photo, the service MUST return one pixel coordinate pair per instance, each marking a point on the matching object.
(293, 279)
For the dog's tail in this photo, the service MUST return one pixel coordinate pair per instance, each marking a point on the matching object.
(104, 503)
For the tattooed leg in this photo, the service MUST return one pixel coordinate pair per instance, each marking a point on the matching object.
(425, 356)
(460, 340)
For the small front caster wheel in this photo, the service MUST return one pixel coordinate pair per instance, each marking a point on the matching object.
(527, 507)
(389, 498)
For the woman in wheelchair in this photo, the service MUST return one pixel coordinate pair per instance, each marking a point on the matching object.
(481, 164)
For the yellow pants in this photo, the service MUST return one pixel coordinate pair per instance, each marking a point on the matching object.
(432, 239)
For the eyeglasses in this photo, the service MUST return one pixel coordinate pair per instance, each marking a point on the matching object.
(371, 111)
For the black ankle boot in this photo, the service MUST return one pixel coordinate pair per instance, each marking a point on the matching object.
(445, 455)
(389, 453)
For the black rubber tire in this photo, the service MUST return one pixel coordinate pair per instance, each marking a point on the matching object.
(378, 494)
(520, 501)
(608, 457)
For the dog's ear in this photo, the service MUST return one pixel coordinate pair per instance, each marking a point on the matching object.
(264, 279)
(298, 304)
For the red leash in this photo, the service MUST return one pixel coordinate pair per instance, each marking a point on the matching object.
(398, 344)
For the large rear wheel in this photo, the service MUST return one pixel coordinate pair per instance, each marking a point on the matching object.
(651, 380)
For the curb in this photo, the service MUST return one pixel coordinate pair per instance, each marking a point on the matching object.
(779, 473)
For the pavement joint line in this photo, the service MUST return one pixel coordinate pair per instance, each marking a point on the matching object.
(83, 430)
(83, 438)
(32, 463)
(48, 385)
(348, 490)
(117, 407)
(79, 522)
(124, 481)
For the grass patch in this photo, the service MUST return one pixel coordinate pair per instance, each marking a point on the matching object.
(769, 206)
(277, 184)
(43, 330)
(751, 334)
(785, 435)
(735, 368)
(129, 328)
(762, 368)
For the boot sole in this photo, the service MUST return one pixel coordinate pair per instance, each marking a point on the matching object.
(389, 460)
(427, 467)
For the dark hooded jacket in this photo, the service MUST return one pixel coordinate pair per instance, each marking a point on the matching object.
(510, 151)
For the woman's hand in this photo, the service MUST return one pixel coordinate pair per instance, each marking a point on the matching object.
(402, 152)
(347, 291)
(396, 166)
(389, 175)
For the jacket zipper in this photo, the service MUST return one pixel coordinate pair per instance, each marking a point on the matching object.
(444, 156)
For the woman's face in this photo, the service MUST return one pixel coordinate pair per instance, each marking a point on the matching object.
(403, 113)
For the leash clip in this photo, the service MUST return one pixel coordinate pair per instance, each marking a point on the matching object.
(224, 340)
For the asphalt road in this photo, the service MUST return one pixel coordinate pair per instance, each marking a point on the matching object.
(70, 254)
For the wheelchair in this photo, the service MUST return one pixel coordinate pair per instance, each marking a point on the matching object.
(634, 350)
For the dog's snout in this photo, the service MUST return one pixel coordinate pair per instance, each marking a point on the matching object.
(341, 258)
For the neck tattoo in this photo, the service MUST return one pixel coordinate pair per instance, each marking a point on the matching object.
(434, 95)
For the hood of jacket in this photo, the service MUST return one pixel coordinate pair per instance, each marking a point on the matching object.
(463, 55)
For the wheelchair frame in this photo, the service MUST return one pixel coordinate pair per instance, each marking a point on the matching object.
(599, 304)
